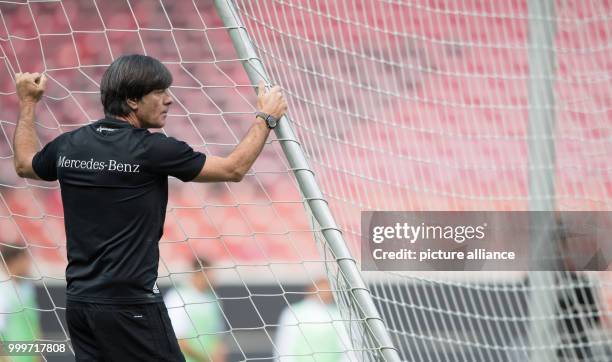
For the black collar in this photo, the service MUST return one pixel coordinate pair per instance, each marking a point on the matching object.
(112, 122)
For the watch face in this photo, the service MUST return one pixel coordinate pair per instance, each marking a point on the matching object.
(271, 122)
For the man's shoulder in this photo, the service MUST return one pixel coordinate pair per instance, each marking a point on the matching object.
(86, 133)
(62, 137)
(157, 144)
(150, 139)
(158, 137)
(83, 128)
(72, 134)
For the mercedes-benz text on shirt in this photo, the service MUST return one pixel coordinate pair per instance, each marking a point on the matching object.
(95, 165)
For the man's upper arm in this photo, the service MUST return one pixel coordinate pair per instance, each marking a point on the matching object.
(217, 169)
(169, 156)
(44, 163)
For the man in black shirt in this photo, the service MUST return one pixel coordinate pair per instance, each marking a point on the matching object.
(113, 176)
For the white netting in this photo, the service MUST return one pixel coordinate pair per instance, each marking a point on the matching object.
(424, 105)
(256, 233)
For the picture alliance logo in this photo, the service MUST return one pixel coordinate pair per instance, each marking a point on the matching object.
(414, 233)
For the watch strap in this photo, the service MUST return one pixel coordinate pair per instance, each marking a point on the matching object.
(267, 118)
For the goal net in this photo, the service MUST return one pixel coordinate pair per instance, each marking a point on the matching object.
(425, 105)
(407, 105)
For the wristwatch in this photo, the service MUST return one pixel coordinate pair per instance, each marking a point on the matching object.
(270, 120)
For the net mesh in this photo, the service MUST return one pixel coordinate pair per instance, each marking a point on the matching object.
(424, 105)
(263, 248)
(411, 105)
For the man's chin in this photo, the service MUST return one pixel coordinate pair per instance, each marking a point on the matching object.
(162, 119)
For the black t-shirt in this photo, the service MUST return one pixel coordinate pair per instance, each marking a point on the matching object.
(114, 183)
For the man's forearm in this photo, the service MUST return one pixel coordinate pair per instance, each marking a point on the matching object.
(235, 166)
(247, 151)
(25, 140)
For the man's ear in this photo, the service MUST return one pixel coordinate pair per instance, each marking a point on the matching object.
(132, 103)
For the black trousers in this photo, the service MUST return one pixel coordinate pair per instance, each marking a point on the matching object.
(114, 332)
